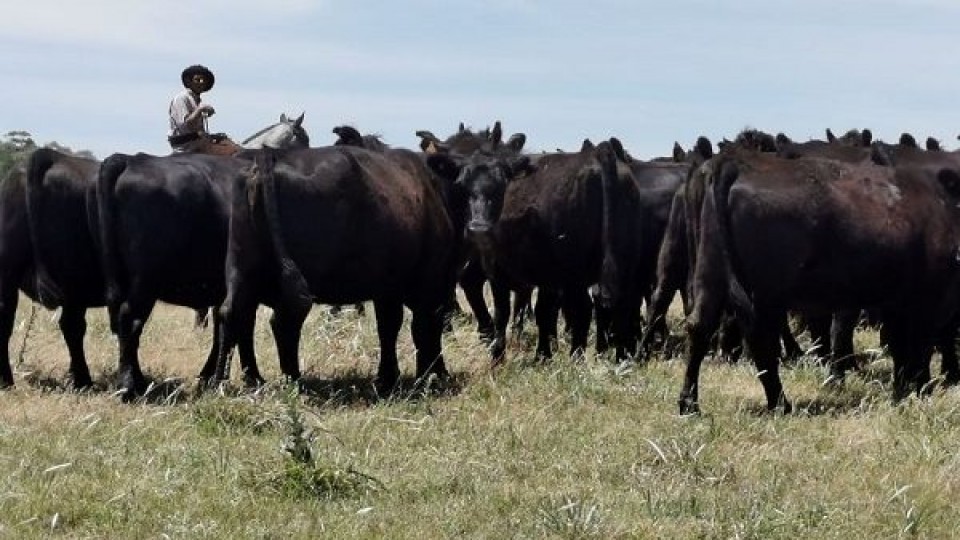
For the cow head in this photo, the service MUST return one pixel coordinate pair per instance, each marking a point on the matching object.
(480, 181)
(465, 141)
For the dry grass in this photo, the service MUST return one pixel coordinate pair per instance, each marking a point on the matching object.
(559, 450)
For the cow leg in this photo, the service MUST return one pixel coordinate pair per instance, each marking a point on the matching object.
(471, 281)
(8, 312)
(842, 359)
(625, 325)
(210, 366)
(604, 322)
(234, 323)
(389, 319)
(763, 340)
(242, 332)
(701, 325)
(546, 312)
(287, 325)
(522, 298)
(655, 325)
(245, 349)
(577, 309)
(896, 334)
(131, 317)
(947, 345)
(791, 349)
(819, 326)
(426, 330)
(501, 316)
(73, 326)
(731, 339)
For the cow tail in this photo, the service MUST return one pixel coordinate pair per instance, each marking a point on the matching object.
(737, 294)
(110, 171)
(41, 161)
(293, 284)
(609, 285)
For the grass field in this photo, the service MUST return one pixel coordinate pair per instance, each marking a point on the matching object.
(565, 449)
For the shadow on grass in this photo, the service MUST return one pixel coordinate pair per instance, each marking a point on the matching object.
(361, 390)
(166, 391)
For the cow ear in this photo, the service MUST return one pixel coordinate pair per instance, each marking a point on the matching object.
(830, 136)
(348, 135)
(704, 148)
(429, 142)
(496, 136)
(516, 142)
(446, 166)
(907, 140)
(679, 156)
(618, 150)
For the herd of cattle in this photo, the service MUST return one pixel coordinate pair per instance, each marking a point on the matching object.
(761, 228)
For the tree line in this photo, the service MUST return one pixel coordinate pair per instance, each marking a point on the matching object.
(16, 146)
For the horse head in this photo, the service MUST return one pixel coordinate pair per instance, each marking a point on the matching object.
(287, 133)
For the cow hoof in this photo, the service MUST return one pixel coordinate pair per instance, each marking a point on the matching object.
(82, 383)
(782, 405)
(688, 407)
(498, 350)
(387, 385)
(132, 387)
(254, 381)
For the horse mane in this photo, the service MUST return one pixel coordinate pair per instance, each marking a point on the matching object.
(261, 132)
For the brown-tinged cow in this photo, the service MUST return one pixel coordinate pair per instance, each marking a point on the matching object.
(340, 225)
(562, 225)
(53, 260)
(778, 234)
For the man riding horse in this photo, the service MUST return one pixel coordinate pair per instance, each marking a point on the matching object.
(188, 117)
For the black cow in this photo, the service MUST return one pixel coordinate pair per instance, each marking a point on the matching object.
(341, 225)
(163, 232)
(51, 191)
(779, 234)
(676, 258)
(466, 142)
(565, 225)
(657, 183)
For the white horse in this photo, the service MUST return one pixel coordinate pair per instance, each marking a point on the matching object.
(286, 133)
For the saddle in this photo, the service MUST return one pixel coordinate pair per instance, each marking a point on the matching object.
(215, 144)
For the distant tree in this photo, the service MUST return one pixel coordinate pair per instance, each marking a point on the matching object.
(16, 146)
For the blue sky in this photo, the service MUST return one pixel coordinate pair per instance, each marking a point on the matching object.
(98, 74)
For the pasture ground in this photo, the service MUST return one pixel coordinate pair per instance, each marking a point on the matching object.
(566, 449)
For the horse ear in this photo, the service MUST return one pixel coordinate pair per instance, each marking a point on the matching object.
(299, 120)
(460, 129)
(283, 118)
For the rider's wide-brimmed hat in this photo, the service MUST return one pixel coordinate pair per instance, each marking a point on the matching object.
(197, 69)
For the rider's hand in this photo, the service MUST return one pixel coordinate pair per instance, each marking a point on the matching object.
(206, 109)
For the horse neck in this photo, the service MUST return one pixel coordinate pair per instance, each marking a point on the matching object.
(269, 136)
